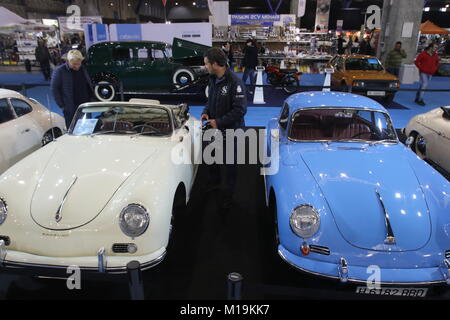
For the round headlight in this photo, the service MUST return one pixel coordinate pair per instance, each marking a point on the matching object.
(359, 84)
(305, 221)
(134, 220)
(3, 211)
(394, 84)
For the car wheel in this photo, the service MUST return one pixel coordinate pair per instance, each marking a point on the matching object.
(419, 145)
(178, 209)
(183, 77)
(291, 85)
(105, 91)
(47, 138)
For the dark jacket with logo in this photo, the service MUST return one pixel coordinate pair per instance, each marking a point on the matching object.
(63, 87)
(227, 101)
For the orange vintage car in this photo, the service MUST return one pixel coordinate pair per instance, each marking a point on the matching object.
(365, 75)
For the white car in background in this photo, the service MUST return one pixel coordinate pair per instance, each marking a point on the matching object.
(25, 126)
(429, 136)
(102, 195)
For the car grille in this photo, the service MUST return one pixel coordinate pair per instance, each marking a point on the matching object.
(447, 254)
(6, 239)
(120, 247)
(320, 250)
(377, 84)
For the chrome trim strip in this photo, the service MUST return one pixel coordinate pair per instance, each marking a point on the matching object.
(320, 250)
(112, 270)
(390, 237)
(356, 281)
(58, 215)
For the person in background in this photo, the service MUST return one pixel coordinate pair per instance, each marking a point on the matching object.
(340, 44)
(43, 56)
(394, 59)
(348, 48)
(428, 63)
(250, 61)
(355, 46)
(226, 48)
(71, 85)
(225, 109)
(363, 46)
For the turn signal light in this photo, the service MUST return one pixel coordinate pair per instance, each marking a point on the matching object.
(305, 249)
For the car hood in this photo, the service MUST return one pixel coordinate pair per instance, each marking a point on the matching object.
(81, 177)
(350, 179)
(370, 75)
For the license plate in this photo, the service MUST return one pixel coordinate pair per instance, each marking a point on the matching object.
(395, 292)
(376, 93)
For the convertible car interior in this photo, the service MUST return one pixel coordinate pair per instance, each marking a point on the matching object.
(316, 125)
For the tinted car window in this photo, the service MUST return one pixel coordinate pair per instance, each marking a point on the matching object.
(121, 54)
(5, 111)
(363, 64)
(157, 54)
(21, 107)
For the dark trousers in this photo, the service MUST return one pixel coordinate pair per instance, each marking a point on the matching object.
(45, 68)
(225, 174)
(394, 71)
(249, 72)
(68, 116)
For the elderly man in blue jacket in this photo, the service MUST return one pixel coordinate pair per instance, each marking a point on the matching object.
(71, 85)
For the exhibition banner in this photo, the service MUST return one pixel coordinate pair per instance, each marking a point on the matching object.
(322, 15)
(196, 32)
(95, 33)
(255, 19)
(67, 25)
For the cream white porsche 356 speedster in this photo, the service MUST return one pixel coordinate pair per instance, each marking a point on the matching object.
(102, 195)
(429, 136)
(25, 126)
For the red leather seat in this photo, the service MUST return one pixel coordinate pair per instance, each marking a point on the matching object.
(352, 131)
(119, 126)
(162, 126)
(307, 127)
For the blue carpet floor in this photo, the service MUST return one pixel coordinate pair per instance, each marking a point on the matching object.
(401, 110)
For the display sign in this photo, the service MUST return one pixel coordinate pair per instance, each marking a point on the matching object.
(322, 15)
(66, 24)
(255, 19)
(95, 33)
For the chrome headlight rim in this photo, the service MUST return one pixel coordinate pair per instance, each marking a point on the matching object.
(299, 232)
(4, 216)
(394, 85)
(122, 222)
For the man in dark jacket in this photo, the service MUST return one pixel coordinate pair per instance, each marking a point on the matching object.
(250, 61)
(43, 57)
(226, 107)
(71, 85)
(226, 48)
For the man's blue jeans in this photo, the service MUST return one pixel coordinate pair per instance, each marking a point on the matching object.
(425, 80)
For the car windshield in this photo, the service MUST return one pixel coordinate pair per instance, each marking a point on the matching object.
(121, 120)
(341, 124)
(365, 64)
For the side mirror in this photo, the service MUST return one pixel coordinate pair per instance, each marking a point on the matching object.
(409, 142)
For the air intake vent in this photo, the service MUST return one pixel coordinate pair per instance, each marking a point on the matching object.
(320, 250)
(124, 248)
(447, 254)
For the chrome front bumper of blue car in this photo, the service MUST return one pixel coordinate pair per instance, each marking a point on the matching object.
(344, 272)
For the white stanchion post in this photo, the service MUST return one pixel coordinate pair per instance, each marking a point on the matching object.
(327, 83)
(258, 98)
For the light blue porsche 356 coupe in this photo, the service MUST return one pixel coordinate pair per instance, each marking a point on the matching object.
(348, 197)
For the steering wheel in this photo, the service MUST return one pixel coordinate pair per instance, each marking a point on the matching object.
(143, 126)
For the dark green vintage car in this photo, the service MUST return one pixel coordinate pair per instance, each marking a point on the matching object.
(146, 66)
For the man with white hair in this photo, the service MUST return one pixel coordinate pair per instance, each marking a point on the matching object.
(71, 85)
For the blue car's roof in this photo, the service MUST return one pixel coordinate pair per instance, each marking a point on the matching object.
(314, 99)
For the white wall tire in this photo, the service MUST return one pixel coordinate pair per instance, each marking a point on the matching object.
(182, 77)
(105, 91)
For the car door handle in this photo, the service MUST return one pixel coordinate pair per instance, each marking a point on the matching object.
(26, 131)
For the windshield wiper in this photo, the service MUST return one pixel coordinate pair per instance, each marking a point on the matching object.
(111, 131)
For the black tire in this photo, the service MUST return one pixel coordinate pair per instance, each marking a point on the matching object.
(182, 77)
(291, 85)
(105, 91)
(273, 217)
(419, 145)
(178, 210)
(50, 135)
